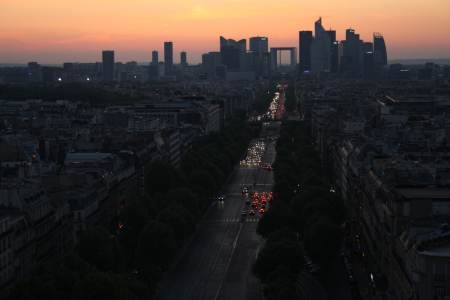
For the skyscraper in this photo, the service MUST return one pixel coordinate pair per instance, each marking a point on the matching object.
(168, 57)
(352, 59)
(108, 65)
(211, 62)
(183, 59)
(320, 49)
(305, 42)
(241, 45)
(155, 57)
(379, 47)
(258, 58)
(334, 51)
(368, 65)
(259, 45)
(233, 52)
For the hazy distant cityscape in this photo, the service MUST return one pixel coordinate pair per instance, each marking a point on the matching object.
(318, 170)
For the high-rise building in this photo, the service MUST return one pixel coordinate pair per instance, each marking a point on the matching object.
(168, 57)
(155, 57)
(183, 58)
(233, 53)
(368, 65)
(320, 49)
(334, 51)
(211, 62)
(367, 47)
(305, 42)
(259, 45)
(241, 45)
(258, 58)
(379, 49)
(108, 65)
(352, 59)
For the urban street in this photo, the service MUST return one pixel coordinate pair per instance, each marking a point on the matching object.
(218, 262)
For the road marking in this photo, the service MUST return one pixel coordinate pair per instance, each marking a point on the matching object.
(233, 220)
(229, 261)
(257, 251)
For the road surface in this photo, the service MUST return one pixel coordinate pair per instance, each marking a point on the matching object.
(218, 262)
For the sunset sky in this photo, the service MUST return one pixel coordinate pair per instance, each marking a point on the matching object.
(54, 31)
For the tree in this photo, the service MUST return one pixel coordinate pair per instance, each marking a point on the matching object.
(100, 285)
(279, 216)
(283, 234)
(52, 280)
(184, 197)
(132, 219)
(282, 285)
(100, 249)
(155, 249)
(179, 219)
(323, 240)
(160, 177)
(202, 181)
(286, 253)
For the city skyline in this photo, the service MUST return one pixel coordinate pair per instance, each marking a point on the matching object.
(29, 32)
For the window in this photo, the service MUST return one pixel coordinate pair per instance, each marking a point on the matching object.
(439, 291)
(439, 271)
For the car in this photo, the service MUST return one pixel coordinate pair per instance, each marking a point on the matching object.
(251, 212)
(262, 211)
(267, 167)
(244, 190)
(221, 198)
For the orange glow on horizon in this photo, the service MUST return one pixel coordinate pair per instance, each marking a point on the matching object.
(53, 31)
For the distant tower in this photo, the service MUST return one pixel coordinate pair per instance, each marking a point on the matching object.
(233, 53)
(334, 51)
(379, 49)
(168, 57)
(155, 57)
(352, 58)
(259, 45)
(183, 59)
(321, 49)
(108, 65)
(305, 42)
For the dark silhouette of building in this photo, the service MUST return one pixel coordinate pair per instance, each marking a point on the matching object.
(259, 45)
(379, 49)
(334, 52)
(34, 72)
(259, 55)
(352, 58)
(305, 42)
(49, 75)
(211, 63)
(321, 49)
(368, 65)
(155, 57)
(183, 59)
(108, 65)
(168, 57)
(233, 53)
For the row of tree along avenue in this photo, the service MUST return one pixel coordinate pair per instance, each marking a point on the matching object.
(305, 221)
(127, 261)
